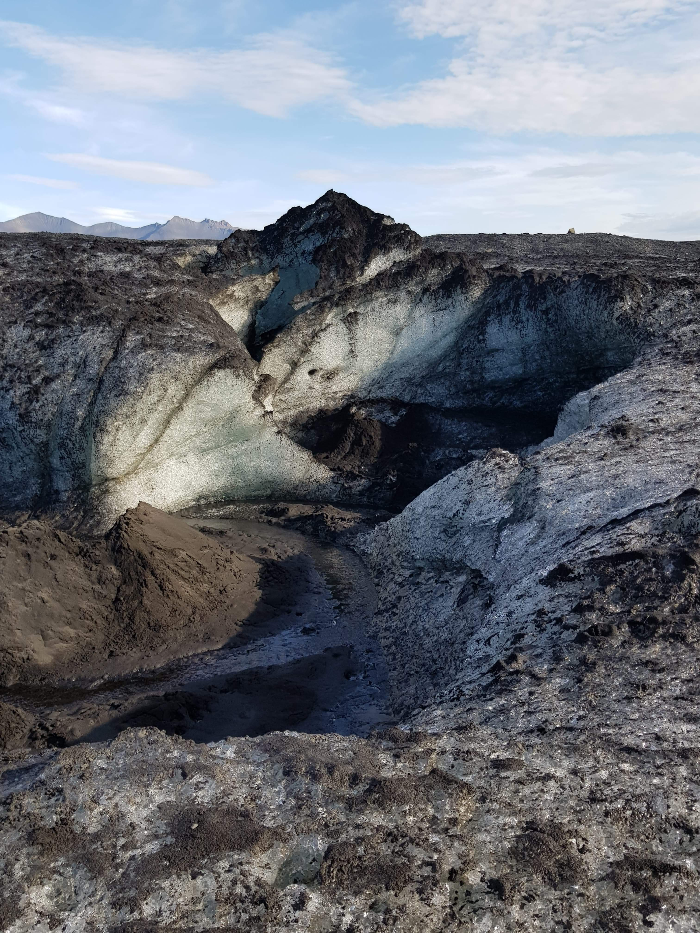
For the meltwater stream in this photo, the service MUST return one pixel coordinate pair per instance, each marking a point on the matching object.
(316, 668)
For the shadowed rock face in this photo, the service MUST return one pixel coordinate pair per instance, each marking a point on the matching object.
(315, 251)
(333, 355)
(508, 556)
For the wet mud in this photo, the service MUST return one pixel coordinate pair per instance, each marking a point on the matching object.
(304, 659)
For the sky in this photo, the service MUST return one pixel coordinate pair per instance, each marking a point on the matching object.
(454, 116)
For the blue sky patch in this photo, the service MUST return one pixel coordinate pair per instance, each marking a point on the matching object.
(450, 115)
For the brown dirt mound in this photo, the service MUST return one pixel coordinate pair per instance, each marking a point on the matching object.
(15, 726)
(152, 589)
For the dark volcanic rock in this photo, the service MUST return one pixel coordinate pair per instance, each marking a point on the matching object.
(313, 251)
(404, 831)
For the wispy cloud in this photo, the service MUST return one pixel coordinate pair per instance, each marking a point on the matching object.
(576, 170)
(432, 175)
(58, 113)
(515, 186)
(682, 226)
(152, 173)
(45, 105)
(120, 215)
(572, 23)
(582, 67)
(454, 173)
(274, 74)
(45, 182)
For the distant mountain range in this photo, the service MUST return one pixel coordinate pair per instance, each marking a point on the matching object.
(177, 228)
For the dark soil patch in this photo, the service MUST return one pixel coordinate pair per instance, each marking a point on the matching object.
(252, 702)
(403, 449)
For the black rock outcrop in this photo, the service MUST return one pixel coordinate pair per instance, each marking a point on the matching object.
(315, 251)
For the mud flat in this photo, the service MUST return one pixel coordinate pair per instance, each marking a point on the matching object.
(302, 658)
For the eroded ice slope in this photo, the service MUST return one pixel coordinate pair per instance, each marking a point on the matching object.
(333, 355)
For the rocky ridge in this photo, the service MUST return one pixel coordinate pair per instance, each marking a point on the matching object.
(538, 602)
(177, 228)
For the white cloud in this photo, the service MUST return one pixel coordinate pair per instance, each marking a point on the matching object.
(571, 22)
(682, 226)
(524, 177)
(456, 173)
(449, 174)
(513, 186)
(46, 107)
(549, 97)
(582, 67)
(46, 182)
(274, 74)
(58, 113)
(152, 173)
(576, 170)
(119, 215)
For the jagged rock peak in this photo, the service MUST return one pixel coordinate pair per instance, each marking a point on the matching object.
(334, 213)
(313, 250)
(311, 234)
